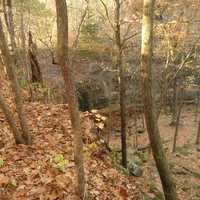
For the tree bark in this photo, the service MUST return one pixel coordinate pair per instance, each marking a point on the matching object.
(197, 104)
(149, 110)
(24, 55)
(178, 120)
(23, 37)
(35, 67)
(198, 134)
(63, 57)
(8, 14)
(11, 121)
(174, 103)
(122, 84)
(9, 63)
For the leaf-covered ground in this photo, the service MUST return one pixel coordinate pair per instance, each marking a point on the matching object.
(45, 170)
(32, 172)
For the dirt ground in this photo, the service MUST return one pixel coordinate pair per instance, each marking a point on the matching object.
(184, 163)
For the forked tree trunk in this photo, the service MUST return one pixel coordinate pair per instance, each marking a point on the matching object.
(15, 85)
(122, 84)
(63, 57)
(11, 121)
(149, 110)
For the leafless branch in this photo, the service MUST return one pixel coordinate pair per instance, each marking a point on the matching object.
(184, 60)
(75, 44)
(129, 37)
(107, 14)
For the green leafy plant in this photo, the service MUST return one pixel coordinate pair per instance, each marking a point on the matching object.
(60, 162)
(1, 162)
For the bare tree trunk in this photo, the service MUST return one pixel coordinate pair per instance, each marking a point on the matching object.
(122, 84)
(23, 36)
(198, 117)
(149, 110)
(174, 103)
(11, 121)
(35, 67)
(197, 105)
(198, 134)
(24, 54)
(178, 121)
(8, 13)
(15, 85)
(62, 37)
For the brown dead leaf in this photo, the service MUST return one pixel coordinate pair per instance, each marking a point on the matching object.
(4, 180)
(123, 193)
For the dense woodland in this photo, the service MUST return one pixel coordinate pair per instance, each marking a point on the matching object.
(99, 99)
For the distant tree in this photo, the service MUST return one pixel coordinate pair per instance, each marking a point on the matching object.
(122, 83)
(10, 68)
(36, 74)
(149, 110)
(198, 134)
(34, 16)
(172, 37)
(63, 57)
(181, 96)
(119, 42)
(23, 37)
